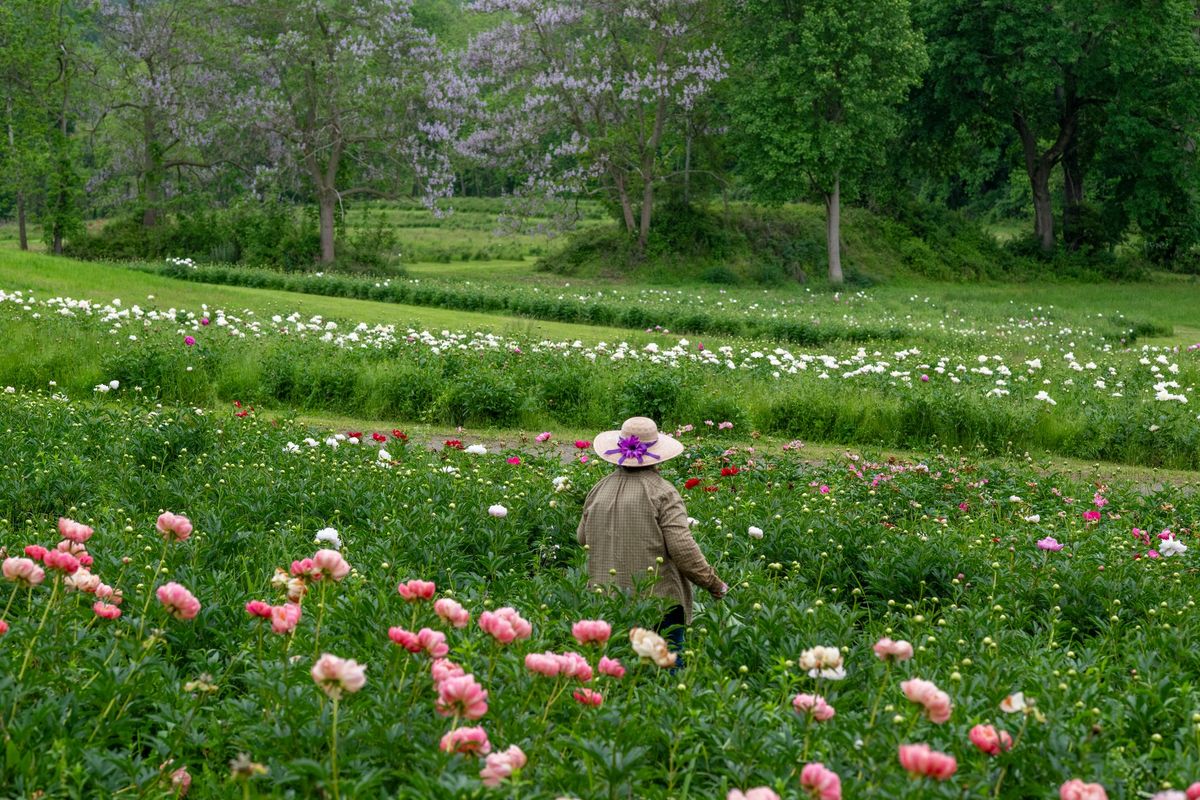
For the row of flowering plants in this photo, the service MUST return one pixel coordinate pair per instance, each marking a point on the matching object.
(1050, 387)
(224, 605)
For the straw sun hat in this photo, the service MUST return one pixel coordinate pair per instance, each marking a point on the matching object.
(638, 444)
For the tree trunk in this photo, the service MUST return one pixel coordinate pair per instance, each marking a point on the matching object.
(22, 234)
(687, 169)
(1072, 233)
(1038, 166)
(1043, 208)
(626, 203)
(327, 198)
(22, 237)
(647, 210)
(833, 231)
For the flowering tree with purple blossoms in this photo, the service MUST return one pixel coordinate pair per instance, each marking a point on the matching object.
(165, 80)
(360, 100)
(587, 97)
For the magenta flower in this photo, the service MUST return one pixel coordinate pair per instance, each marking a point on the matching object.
(1091, 516)
(824, 489)
(189, 340)
(544, 436)
(924, 379)
(1049, 543)
(514, 460)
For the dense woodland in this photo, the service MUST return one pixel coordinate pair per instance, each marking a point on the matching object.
(1078, 119)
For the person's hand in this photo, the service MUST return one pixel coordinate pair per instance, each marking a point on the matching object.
(720, 593)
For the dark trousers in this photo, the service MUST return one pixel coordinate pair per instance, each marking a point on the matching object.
(672, 628)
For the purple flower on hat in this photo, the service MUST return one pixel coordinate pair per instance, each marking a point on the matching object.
(632, 447)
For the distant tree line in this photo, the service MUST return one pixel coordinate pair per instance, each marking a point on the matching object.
(1082, 116)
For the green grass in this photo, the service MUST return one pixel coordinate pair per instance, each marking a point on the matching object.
(101, 282)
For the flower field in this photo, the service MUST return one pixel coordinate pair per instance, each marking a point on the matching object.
(1038, 381)
(235, 605)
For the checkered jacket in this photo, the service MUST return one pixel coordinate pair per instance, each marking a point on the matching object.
(630, 519)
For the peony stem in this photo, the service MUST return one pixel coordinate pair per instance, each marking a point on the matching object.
(333, 747)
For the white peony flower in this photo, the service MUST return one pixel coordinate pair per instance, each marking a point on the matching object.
(329, 536)
(498, 511)
(477, 450)
(1172, 547)
(755, 532)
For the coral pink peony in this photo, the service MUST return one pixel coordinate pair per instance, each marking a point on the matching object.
(178, 601)
(36, 551)
(285, 618)
(174, 527)
(336, 675)
(82, 580)
(23, 571)
(433, 642)
(759, 793)
(594, 631)
(330, 564)
(546, 664)
(887, 650)
(575, 666)
(417, 590)
(1076, 789)
(257, 608)
(936, 702)
(821, 782)
(588, 697)
(62, 561)
(105, 610)
(443, 668)
(406, 639)
(610, 667)
(989, 740)
(499, 766)
(1193, 791)
(109, 594)
(813, 705)
(75, 531)
(466, 740)
(450, 611)
(3, 627)
(461, 696)
(921, 761)
(505, 625)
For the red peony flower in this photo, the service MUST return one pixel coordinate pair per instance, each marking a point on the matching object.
(729, 471)
(582, 444)
(453, 443)
(711, 488)
(399, 434)
(691, 483)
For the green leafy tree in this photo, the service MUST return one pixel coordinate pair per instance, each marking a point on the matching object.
(819, 86)
(1055, 73)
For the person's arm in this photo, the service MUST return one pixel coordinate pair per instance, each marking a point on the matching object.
(580, 532)
(682, 548)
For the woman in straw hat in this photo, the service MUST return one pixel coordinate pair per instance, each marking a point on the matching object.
(633, 519)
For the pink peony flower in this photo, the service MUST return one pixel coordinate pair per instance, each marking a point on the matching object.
(824, 489)
(813, 705)
(178, 601)
(1076, 789)
(588, 697)
(450, 611)
(181, 781)
(1049, 543)
(461, 696)
(921, 761)
(591, 630)
(109, 594)
(3, 627)
(499, 766)
(336, 675)
(257, 608)
(582, 444)
(989, 740)
(406, 639)
(545, 664)
(544, 436)
(174, 527)
(105, 610)
(62, 561)
(1091, 516)
(36, 551)
(758, 793)
(1193, 791)
(516, 462)
(821, 782)
(466, 740)
(330, 564)
(415, 590)
(76, 532)
(82, 580)
(505, 625)
(189, 340)
(443, 668)
(610, 667)
(285, 618)
(936, 702)
(573, 665)
(24, 571)
(887, 650)
(924, 378)
(433, 642)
